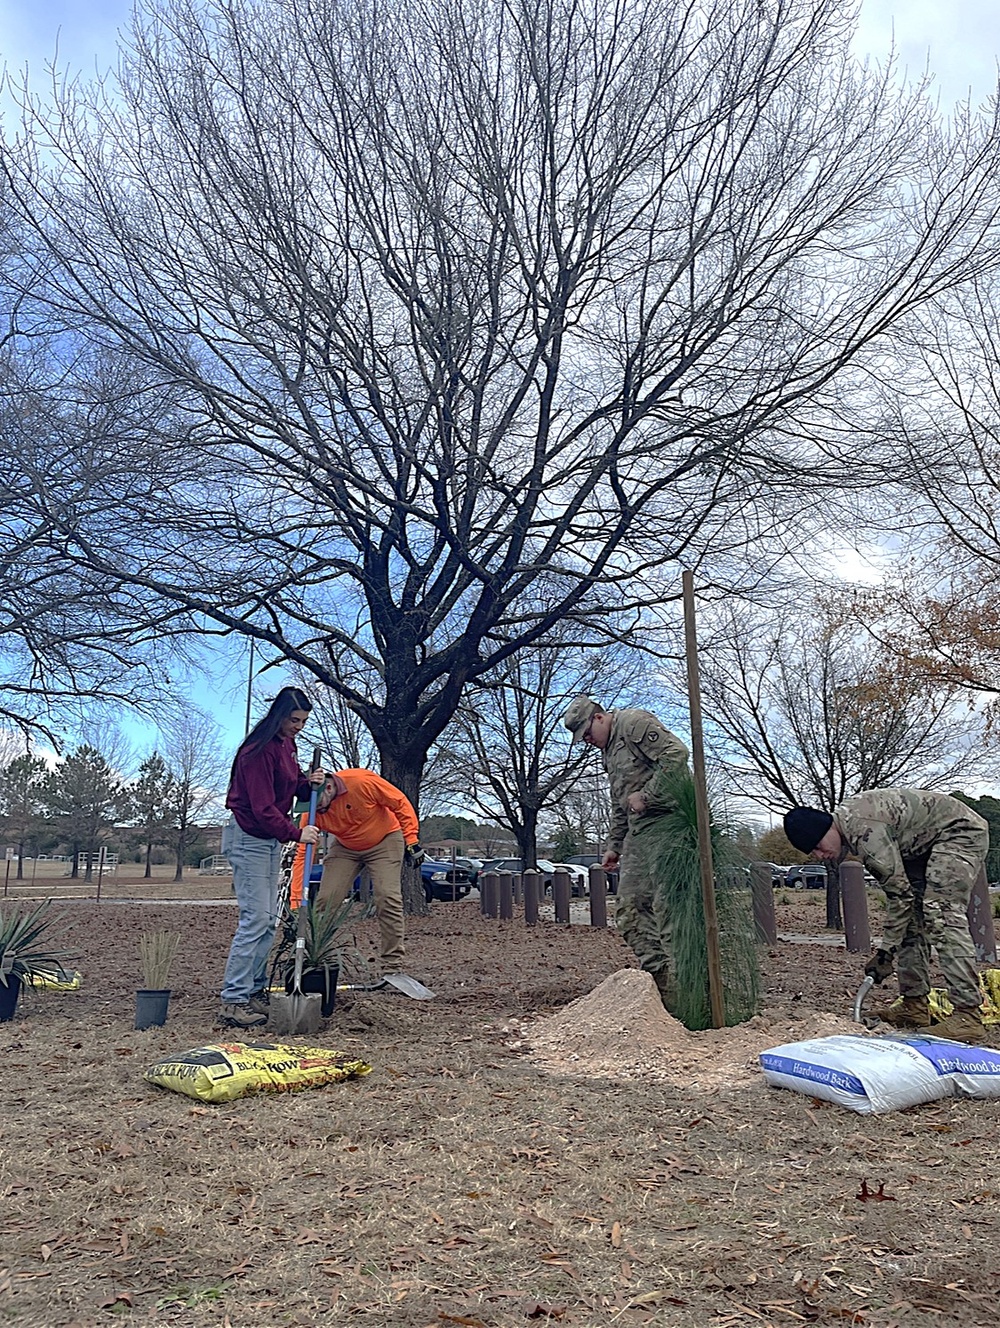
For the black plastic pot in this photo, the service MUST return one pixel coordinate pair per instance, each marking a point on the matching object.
(151, 1008)
(321, 980)
(8, 997)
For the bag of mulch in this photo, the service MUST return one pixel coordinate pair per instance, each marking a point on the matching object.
(970, 1071)
(864, 1074)
(228, 1070)
(59, 980)
(871, 1075)
(941, 1007)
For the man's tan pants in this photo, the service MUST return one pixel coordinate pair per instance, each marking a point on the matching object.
(385, 862)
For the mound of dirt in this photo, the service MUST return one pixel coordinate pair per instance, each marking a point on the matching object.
(620, 1030)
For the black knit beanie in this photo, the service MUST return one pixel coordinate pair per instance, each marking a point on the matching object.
(806, 826)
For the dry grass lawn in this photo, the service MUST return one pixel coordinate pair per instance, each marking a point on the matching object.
(460, 1183)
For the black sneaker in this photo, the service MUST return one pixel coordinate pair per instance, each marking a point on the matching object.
(240, 1015)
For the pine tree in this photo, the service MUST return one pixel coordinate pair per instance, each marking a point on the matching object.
(83, 796)
(21, 786)
(152, 798)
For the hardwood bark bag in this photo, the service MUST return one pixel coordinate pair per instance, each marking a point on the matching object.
(227, 1070)
(883, 1074)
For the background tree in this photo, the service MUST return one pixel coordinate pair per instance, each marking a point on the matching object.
(804, 708)
(22, 785)
(83, 795)
(473, 319)
(197, 770)
(152, 798)
(507, 752)
(773, 846)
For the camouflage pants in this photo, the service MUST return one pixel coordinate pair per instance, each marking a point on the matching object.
(642, 920)
(934, 912)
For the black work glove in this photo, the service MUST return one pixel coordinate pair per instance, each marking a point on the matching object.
(880, 965)
(415, 855)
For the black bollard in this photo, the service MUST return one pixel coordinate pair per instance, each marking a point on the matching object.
(765, 923)
(855, 899)
(598, 890)
(532, 882)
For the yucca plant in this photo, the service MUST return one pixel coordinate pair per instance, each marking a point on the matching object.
(24, 954)
(326, 937)
(669, 842)
(156, 954)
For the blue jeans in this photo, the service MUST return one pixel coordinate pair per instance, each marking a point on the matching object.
(256, 867)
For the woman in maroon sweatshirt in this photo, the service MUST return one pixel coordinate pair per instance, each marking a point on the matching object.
(264, 782)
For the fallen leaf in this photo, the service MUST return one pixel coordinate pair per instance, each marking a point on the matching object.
(119, 1298)
(616, 1235)
(535, 1309)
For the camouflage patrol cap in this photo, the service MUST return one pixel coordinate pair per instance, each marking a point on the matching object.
(579, 713)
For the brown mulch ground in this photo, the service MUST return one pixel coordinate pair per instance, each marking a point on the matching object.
(474, 1177)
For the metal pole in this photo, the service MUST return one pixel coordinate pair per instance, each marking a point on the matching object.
(598, 891)
(249, 686)
(715, 994)
(857, 933)
(765, 922)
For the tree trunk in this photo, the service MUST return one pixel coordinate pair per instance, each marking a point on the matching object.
(20, 861)
(405, 773)
(149, 861)
(527, 837)
(181, 845)
(75, 871)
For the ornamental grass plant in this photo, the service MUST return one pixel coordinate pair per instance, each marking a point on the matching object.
(670, 845)
(156, 954)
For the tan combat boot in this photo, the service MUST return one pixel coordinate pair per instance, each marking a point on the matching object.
(914, 1012)
(964, 1024)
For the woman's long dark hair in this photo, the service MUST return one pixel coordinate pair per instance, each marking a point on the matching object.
(287, 700)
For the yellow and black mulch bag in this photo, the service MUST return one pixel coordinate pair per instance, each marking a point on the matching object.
(63, 980)
(941, 1007)
(227, 1070)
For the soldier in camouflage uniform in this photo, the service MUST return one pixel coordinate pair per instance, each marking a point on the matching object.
(925, 850)
(635, 747)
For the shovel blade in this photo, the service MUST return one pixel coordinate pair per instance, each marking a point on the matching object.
(409, 986)
(295, 1013)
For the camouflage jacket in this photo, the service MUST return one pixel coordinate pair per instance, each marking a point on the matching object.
(638, 748)
(884, 827)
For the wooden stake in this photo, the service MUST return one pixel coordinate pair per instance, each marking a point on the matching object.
(701, 804)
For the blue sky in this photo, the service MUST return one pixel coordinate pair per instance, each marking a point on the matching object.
(959, 41)
(962, 37)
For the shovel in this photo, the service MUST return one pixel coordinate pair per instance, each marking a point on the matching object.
(299, 1012)
(859, 999)
(408, 986)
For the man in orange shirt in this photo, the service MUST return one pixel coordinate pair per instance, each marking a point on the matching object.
(373, 825)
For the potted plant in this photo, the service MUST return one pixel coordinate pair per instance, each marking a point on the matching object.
(156, 953)
(325, 944)
(24, 956)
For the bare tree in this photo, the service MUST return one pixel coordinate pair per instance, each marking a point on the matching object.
(474, 318)
(197, 770)
(805, 709)
(507, 755)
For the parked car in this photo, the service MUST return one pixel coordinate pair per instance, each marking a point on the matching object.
(445, 882)
(579, 877)
(594, 860)
(440, 881)
(514, 865)
(807, 876)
